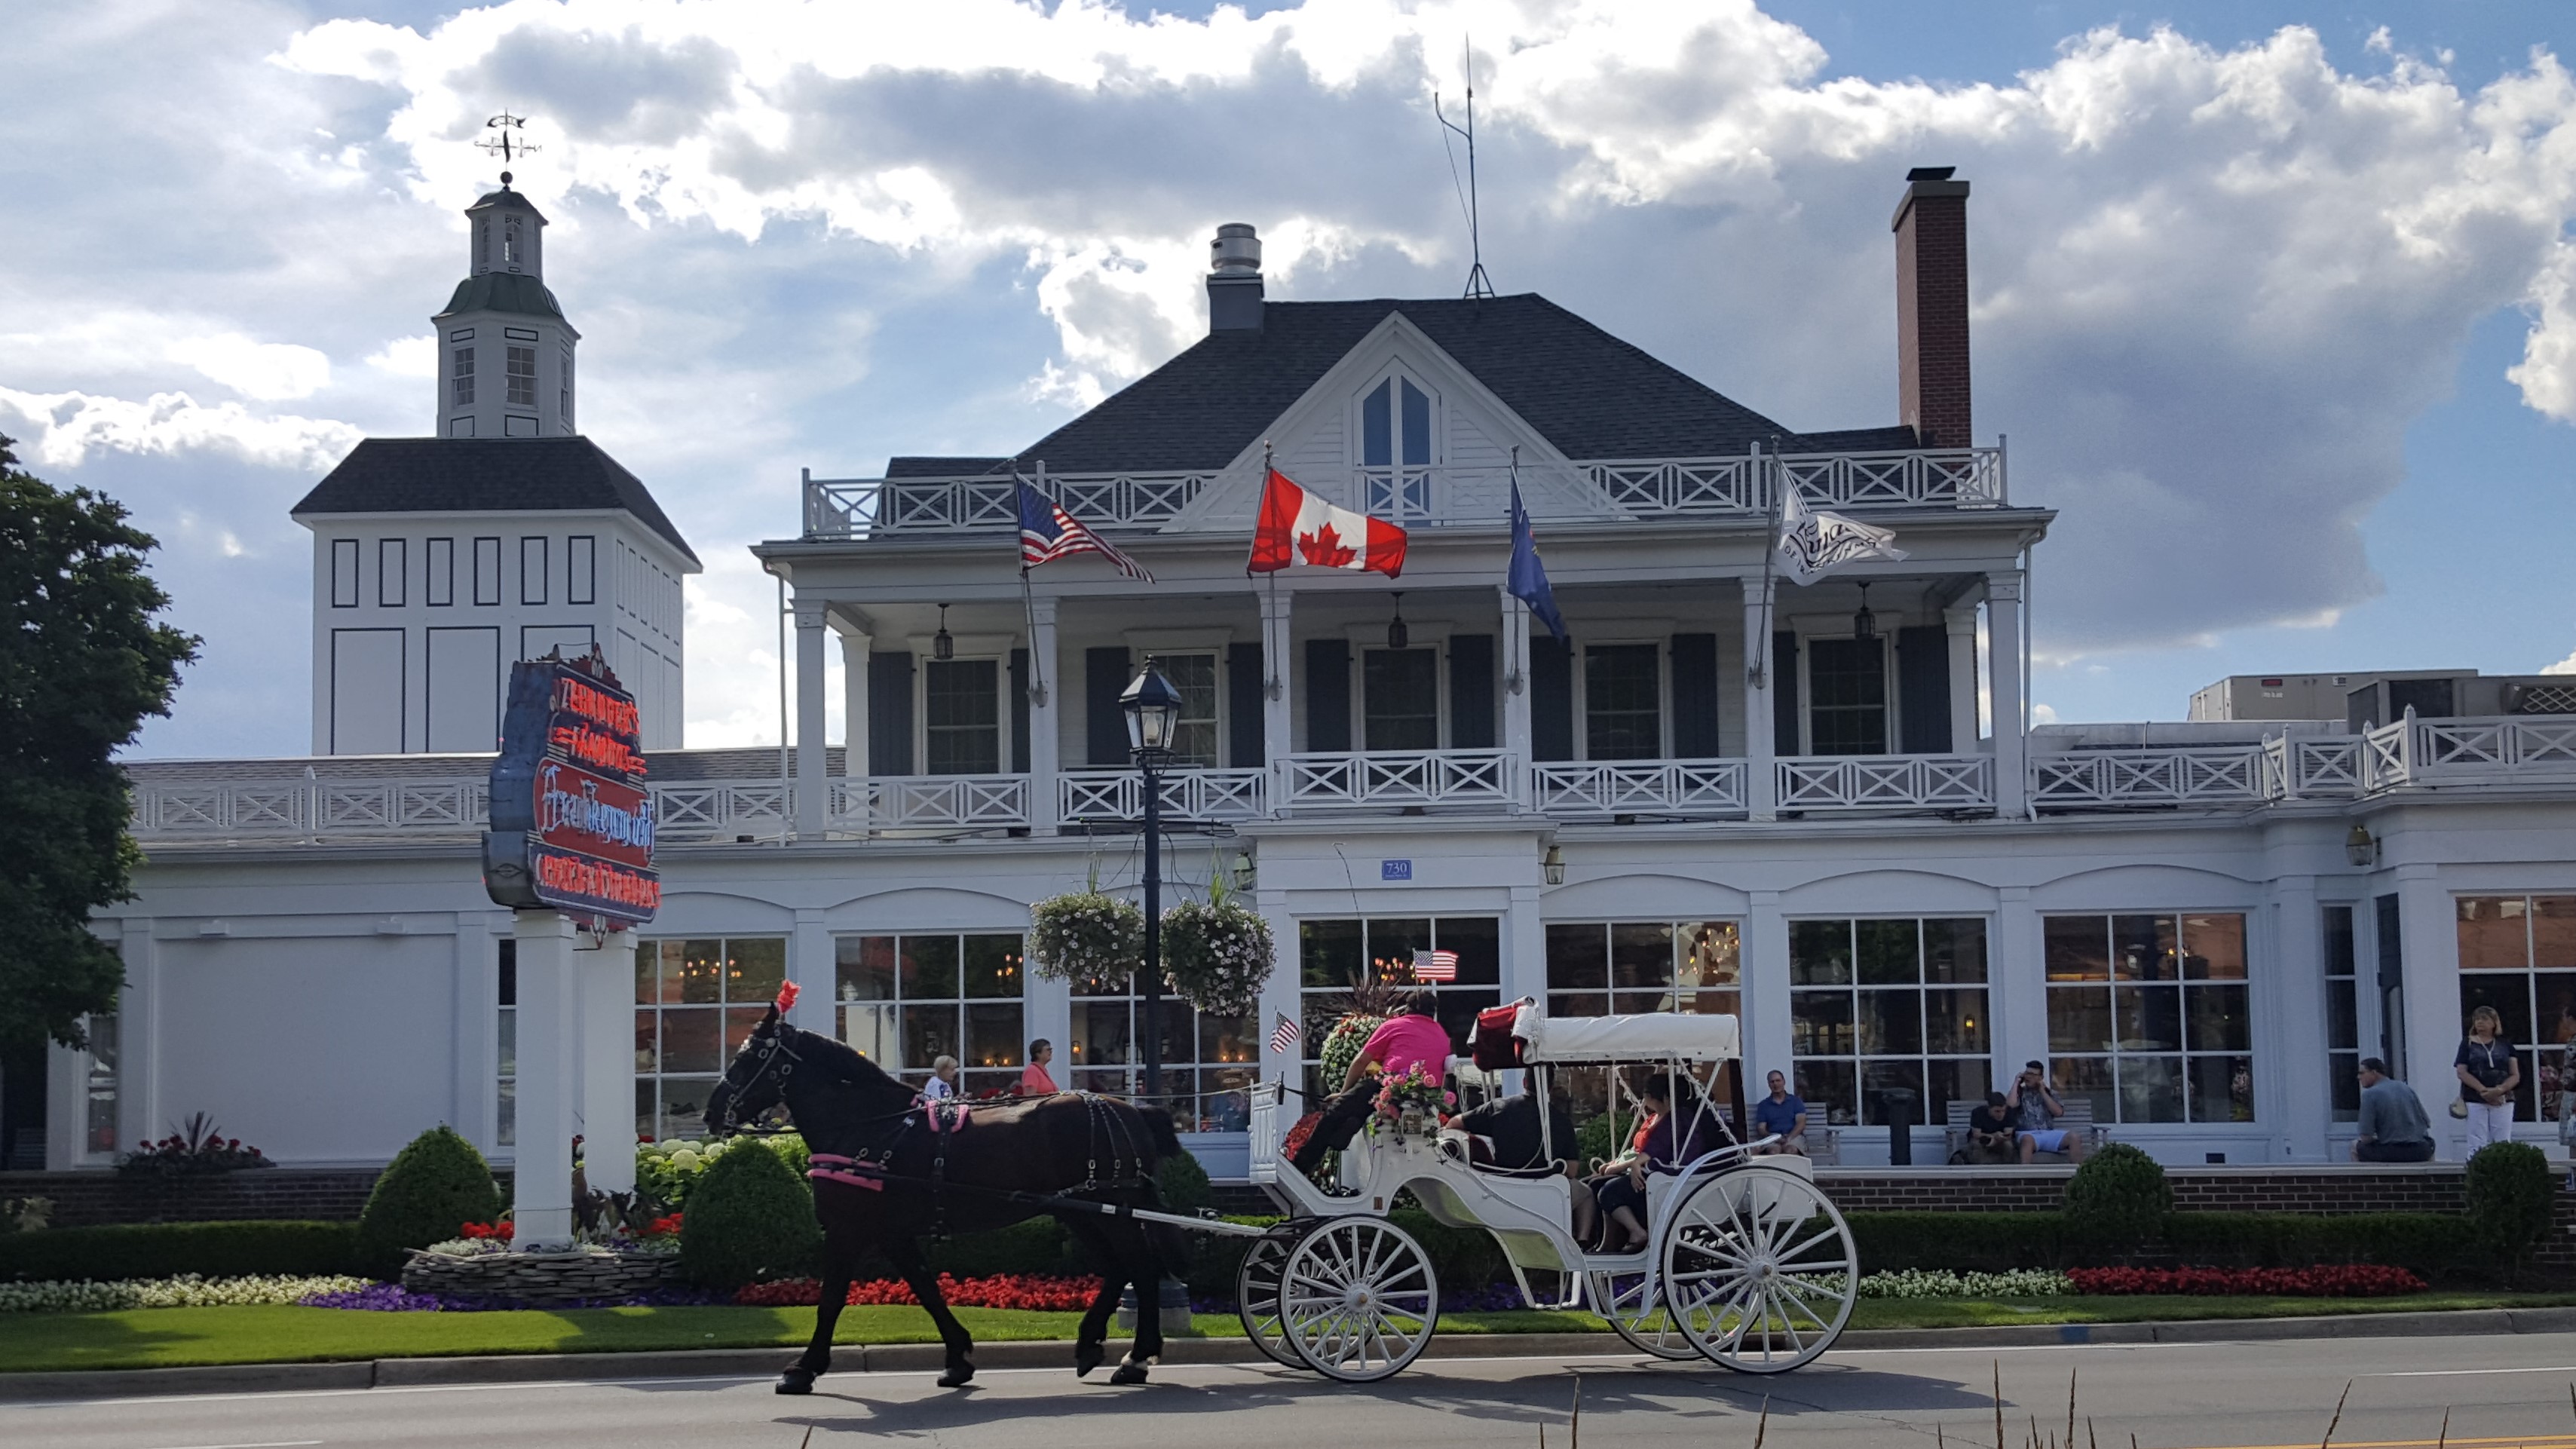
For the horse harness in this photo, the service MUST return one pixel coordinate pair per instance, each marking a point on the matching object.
(871, 1167)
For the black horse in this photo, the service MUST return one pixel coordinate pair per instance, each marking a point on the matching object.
(889, 1175)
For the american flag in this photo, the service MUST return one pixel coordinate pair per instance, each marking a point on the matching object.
(1048, 533)
(1285, 1034)
(1435, 965)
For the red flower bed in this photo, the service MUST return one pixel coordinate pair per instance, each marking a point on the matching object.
(2343, 1280)
(500, 1231)
(1005, 1290)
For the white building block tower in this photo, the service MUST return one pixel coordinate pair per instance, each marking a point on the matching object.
(505, 352)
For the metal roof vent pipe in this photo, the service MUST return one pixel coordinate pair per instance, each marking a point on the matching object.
(1234, 279)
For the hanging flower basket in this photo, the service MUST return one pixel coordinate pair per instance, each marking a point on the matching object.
(1217, 955)
(1085, 936)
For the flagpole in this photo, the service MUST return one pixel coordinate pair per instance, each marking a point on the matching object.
(1770, 556)
(1029, 610)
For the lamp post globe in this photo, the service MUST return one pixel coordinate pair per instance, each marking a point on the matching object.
(1153, 711)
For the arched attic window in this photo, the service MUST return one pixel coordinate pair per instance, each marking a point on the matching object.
(1398, 446)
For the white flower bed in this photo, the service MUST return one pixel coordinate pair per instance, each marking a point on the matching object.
(185, 1291)
(1942, 1283)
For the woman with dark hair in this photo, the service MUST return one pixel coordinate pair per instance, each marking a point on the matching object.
(1674, 1130)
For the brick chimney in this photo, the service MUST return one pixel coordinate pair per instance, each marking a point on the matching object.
(1234, 279)
(1932, 308)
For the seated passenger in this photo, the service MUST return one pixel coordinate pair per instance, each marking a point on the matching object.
(1674, 1106)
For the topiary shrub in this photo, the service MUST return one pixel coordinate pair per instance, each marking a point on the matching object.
(2507, 1201)
(430, 1189)
(2119, 1195)
(750, 1218)
(1182, 1183)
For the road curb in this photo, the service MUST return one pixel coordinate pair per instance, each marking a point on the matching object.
(1055, 1353)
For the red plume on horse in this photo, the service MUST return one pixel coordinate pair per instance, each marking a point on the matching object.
(889, 1170)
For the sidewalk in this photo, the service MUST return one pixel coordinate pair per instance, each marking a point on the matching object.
(754, 1363)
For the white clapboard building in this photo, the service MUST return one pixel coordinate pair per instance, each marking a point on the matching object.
(1815, 806)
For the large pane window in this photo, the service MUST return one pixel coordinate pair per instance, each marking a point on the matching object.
(1882, 1006)
(1847, 693)
(1195, 737)
(2343, 1019)
(2148, 1016)
(2518, 955)
(1605, 968)
(1623, 705)
(906, 1001)
(1209, 1062)
(696, 1001)
(961, 714)
(1402, 690)
(1332, 954)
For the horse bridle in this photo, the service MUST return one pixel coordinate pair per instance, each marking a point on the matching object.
(771, 1049)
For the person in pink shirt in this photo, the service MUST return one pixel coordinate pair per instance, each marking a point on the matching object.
(1413, 1035)
(1034, 1081)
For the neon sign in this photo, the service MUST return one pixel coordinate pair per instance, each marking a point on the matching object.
(572, 817)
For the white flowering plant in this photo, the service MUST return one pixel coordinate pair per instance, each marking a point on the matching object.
(1216, 953)
(1086, 935)
(666, 1172)
(186, 1291)
(1943, 1283)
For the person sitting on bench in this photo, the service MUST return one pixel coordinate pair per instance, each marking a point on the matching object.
(1413, 1035)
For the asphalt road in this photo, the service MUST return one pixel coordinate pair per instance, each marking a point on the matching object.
(2497, 1391)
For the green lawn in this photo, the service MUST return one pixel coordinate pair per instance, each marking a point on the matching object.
(158, 1337)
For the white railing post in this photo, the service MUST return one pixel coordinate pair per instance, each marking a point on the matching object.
(2004, 624)
(1044, 735)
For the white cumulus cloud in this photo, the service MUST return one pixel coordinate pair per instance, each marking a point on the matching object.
(263, 371)
(71, 425)
(407, 357)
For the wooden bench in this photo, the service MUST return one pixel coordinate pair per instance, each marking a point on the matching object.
(1822, 1149)
(2078, 1118)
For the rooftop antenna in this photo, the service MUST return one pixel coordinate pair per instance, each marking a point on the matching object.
(503, 144)
(1479, 286)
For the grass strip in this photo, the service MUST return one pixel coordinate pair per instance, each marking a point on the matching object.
(166, 1337)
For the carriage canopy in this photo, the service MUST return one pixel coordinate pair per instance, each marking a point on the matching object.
(1660, 1036)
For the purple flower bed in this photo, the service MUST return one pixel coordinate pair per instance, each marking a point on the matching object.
(394, 1298)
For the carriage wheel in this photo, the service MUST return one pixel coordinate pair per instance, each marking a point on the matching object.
(1357, 1299)
(1759, 1270)
(1637, 1312)
(1256, 1300)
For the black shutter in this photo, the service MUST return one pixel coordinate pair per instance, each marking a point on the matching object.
(890, 712)
(1551, 687)
(1244, 703)
(1104, 678)
(1471, 691)
(1695, 697)
(1020, 711)
(1784, 693)
(1327, 687)
(1923, 689)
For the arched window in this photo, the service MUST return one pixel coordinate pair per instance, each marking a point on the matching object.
(1397, 447)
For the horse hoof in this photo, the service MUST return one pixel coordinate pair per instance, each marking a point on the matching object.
(956, 1377)
(1086, 1357)
(795, 1381)
(1128, 1373)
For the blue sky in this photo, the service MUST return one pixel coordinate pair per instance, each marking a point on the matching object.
(2276, 301)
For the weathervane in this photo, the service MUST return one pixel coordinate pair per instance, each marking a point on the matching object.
(504, 145)
(1478, 284)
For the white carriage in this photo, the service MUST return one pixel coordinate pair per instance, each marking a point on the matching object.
(1747, 1263)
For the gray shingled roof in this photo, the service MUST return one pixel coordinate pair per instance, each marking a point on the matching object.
(502, 292)
(1587, 392)
(485, 475)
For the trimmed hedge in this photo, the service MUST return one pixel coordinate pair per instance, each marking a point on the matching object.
(166, 1250)
(2426, 1243)
(750, 1219)
(435, 1185)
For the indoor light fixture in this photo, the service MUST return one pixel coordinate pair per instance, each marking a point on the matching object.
(1864, 623)
(1396, 634)
(943, 645)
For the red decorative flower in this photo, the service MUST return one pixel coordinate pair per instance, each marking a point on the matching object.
(1298, 1134)
(1026, 1291)
(2334, 1280)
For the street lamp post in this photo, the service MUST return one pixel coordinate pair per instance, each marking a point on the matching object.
(1153, 710)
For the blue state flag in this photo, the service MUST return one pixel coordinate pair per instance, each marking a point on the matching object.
(1527, 580)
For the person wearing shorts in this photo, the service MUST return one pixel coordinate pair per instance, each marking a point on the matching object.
(2035, 1110)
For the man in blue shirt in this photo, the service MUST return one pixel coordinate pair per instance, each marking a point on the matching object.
(1781, 1115)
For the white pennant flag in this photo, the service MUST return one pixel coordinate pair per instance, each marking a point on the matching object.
(1813, 545)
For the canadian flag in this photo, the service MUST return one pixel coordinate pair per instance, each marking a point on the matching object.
(1299, 528)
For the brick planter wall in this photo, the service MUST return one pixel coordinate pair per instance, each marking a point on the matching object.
(85, 1199)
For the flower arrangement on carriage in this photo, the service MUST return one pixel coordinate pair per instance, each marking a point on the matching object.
(1417, 1095)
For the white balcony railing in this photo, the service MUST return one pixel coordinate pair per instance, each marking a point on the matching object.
(1187, 795)
(2540, 750)
(947, 802)
(2208, 775)
(1887, 782)
(1702, 789)
(2311, 767)
(852, 507)
(1457, 778)
(696, 811)
(306, 809)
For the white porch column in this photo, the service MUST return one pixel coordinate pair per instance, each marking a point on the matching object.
(607, 1061)
(2017, 984)
(1516, 689)
(1761, 772)
(2003, 657)
(1279, 997)
(139, 1117)
(813, 966)
(813, 792)
(854, 725)
(2429, 943)
(477, 1007)
(1962, 622)
(1278, 737)
(549, 1052)
(1763, 963)
(1045, 730)
(2291, 1092)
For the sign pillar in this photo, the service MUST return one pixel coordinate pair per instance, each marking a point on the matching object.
(541, 1195)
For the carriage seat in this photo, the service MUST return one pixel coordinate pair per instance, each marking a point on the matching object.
(1468, 1148)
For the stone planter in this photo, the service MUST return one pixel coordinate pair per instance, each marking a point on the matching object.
(541, 1279)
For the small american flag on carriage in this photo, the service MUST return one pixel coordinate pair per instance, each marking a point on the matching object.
(1285, 1034)
(1435, 965)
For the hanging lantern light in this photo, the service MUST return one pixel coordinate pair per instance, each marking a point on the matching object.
(943, 645)
(1397, 636)
(1864, 623)
(1552, 865)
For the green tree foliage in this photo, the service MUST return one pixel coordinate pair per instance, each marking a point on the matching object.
(1183, 1183)
(81, 664)
(2119, 1195)
(432, 1188)
(750, 1218)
